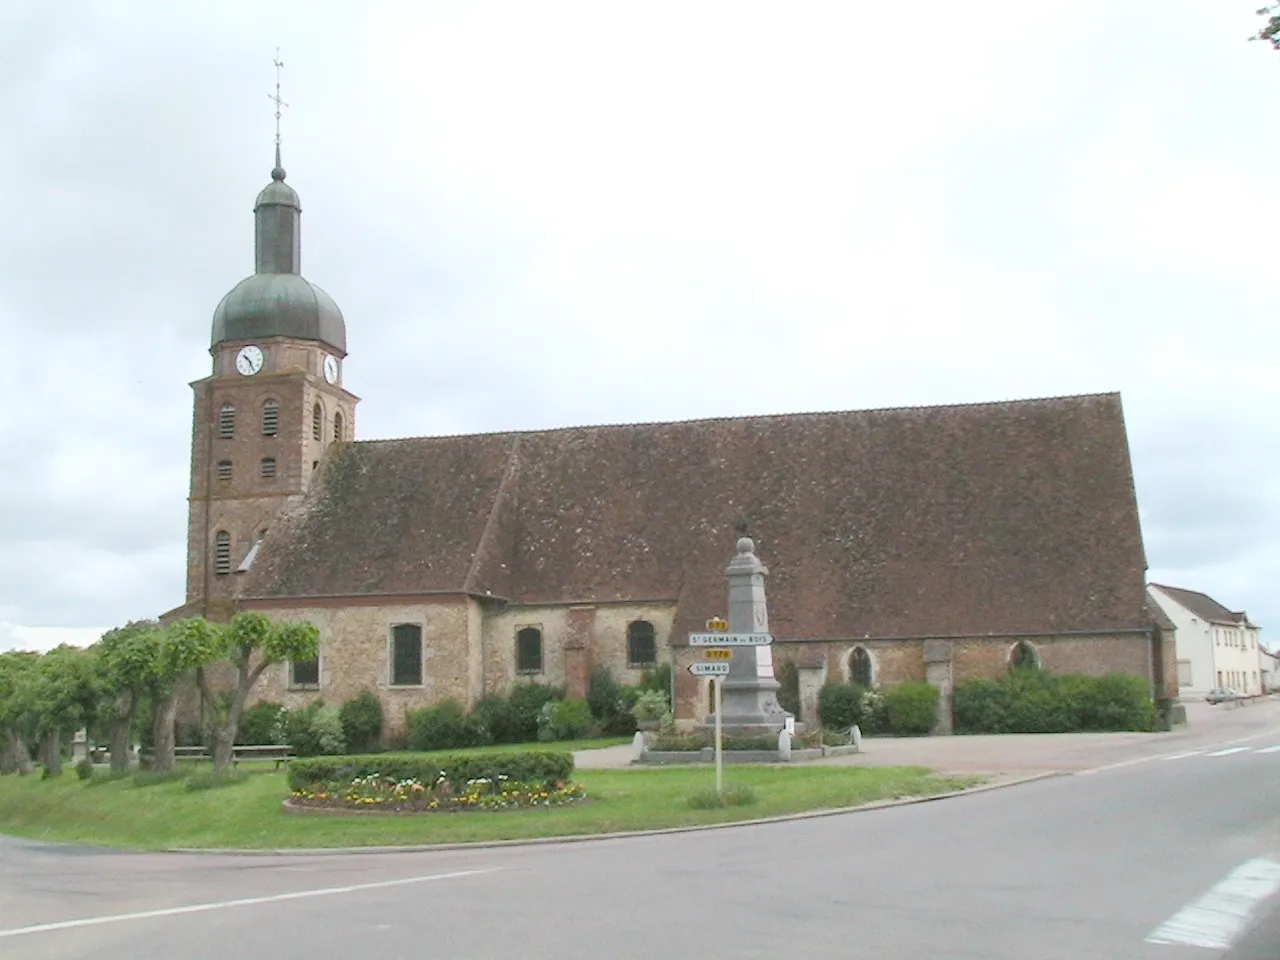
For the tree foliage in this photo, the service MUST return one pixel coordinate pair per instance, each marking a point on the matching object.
(1270, 33)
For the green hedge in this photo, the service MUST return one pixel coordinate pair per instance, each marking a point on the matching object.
(534, 766)
(1035, 701)
(911, 708)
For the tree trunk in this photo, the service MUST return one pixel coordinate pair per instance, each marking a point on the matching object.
(120, 744)
(21, 756)
(51, 753)
(8, 755)
(225, 736)
(162, 732)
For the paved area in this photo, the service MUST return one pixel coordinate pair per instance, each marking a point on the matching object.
(1144, 860)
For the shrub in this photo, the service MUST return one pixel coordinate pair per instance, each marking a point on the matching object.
(1034, 701)
(656, 678)
(362, 722)
(911, 709)
(531, 766)
(84, 769)
(326, 725)
(294, 728)
(258, 724)
(444, 726)
(1117, 701)
(563, 720)
(610, 702)
(839, 705)
(650, 705)
(981, 706)
(525, 702)
(498, 718)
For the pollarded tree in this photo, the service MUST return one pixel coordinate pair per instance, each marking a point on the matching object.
(63, 697)
(17, 675)
(1271, 32)
(252, 642)
(184, 648)
(126, 660)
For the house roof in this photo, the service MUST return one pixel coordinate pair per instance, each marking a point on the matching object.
(1158, 616)
(999, 518)
(1204, 606)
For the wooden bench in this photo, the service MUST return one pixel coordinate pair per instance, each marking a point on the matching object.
(250, 753)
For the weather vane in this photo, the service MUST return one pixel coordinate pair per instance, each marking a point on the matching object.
(278, 102)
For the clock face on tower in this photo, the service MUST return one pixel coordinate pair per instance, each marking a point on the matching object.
(331, 368)
(249, 360)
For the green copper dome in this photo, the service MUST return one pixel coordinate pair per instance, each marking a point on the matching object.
(276, 301)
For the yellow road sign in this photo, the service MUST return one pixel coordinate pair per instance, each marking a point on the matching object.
(717, 654)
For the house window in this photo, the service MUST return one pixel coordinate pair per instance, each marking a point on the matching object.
(222, 553)
(317, 422)
(861, 669)
(227, 421)
(304, 673)
(1023, 656)
(337, 426)
(529, 650)
(406, 655)
(1184, 673)
(270, 418)
(224, 469)
(268, 468)
(642, 651)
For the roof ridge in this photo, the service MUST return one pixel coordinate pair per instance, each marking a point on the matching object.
(1026, 401)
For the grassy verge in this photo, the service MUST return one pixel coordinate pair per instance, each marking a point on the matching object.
(247, 814)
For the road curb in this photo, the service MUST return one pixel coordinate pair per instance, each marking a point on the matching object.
(623, 834)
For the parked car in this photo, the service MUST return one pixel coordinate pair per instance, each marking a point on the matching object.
(1222, 694)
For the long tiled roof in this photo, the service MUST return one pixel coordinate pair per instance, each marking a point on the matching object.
(960, 520)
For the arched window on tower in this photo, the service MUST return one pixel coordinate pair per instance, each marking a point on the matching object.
(227, 421)
(270, 418)
(337, 426)
(317, 422)
(222, 553)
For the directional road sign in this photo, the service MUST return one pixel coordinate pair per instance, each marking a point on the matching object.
(709, 669)
(730, 639)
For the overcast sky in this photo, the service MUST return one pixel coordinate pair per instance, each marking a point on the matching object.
(546, 214)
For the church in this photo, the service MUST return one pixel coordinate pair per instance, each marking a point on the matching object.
(903, 544)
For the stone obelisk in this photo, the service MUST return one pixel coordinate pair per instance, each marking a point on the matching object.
(750, 693)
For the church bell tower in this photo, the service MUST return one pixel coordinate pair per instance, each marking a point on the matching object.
(272, 405)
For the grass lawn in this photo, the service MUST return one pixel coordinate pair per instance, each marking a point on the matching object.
(247, 814)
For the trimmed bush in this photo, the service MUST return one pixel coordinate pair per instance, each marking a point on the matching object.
(1035, 701)
(610, 703)
(841, 705)
(258, 724)
(563, 720)
(295, 728)
(911, 709)
(650, 705)
(498, 718)
(326, 725)
(362, 722)
(656, 678)
(525, 703)
(445, 726)
(533, 766)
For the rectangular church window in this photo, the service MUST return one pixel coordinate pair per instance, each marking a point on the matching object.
(406, 655)
(304, 673)
(529, 650)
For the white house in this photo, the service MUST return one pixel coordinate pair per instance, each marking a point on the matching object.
(1216, 647)
(1270, 670)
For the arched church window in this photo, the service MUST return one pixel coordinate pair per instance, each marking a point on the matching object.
(861, 669)
(529, 650)
(406, 655)
(222, 553)
(270, 418)
(642, 648)
(337, 426)
(317, 422)
(227, 421)
(1024, 656)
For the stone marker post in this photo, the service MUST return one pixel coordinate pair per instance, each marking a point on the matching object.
(750, 691)
(79, 746)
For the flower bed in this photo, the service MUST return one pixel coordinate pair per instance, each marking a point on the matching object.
(377, 792)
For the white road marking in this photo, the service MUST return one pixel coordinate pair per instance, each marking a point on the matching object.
(1221, 915)
(1227, 752)
(1183, 756)
(1269, 750)
(1129, 763)
(246, 902)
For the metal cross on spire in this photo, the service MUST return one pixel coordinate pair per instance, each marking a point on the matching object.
(279, 65)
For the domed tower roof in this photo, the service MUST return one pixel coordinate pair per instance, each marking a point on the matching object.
(276, 301)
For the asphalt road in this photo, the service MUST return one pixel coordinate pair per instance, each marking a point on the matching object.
(1184, 848)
